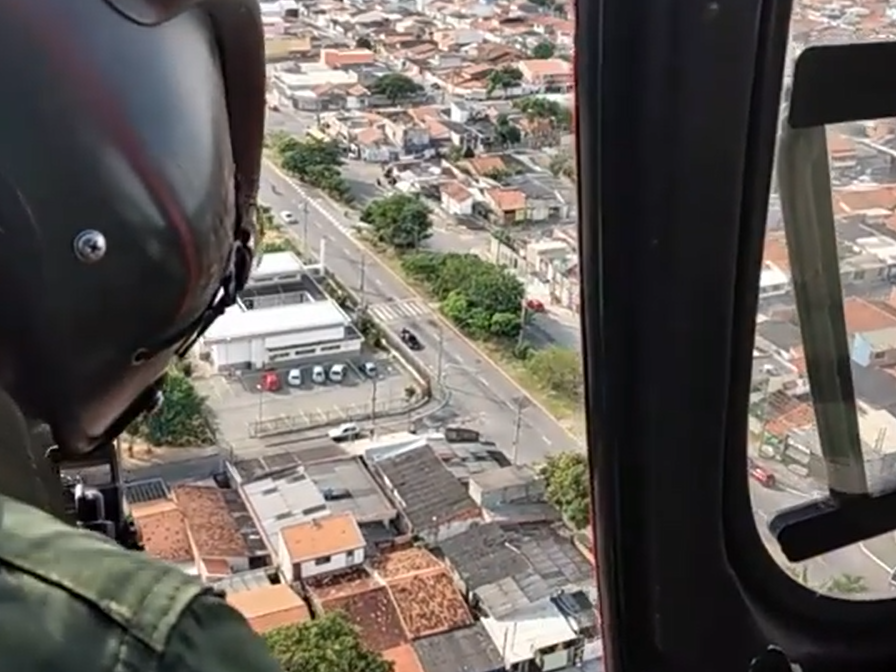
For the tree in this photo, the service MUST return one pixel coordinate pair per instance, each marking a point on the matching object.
(315, 162)
(400, 221)
(326, 644)
(364, 42)
(483, 299)
(503, 78)
(183, 420)
(845, 584)
(395, 86)
(558, 371)
(537, 107)
(544, 50)
(568, 487)
(506, 134)
(562, 165)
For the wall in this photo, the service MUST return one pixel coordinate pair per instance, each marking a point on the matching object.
(335, 563)
(447, 530)
(256, 353)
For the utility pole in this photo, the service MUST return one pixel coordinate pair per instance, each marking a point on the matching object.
(363, 276)
(373, 409)
(305, 247)
(522, 337)
(440, 357)
(516, 431)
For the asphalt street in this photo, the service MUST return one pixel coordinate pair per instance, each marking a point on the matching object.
(482, 397)
(858, 559)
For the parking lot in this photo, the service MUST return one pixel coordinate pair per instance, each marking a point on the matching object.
(239, 401)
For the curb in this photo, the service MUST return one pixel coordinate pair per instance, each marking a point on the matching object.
(442, 320)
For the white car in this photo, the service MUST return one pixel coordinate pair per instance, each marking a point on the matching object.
(345, 432)
(294, 378)
(287, 217)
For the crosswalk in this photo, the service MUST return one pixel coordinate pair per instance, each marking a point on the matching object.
(393, 311)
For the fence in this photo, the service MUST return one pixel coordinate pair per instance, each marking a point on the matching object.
(287, 424)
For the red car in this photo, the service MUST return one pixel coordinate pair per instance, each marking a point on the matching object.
(761, 475)
(270, 382)
(534, 305)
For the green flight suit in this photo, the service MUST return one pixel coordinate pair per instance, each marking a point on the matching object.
(72, 601)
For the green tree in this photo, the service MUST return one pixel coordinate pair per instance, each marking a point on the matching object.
(558, 371)
(316, 163)
(483, 299)
(503, 78)
(326, 644)
(568, 487)
(845, 584)
(562, 165)
(183, 420)
(395, 86)
(400, 221)
(506, 134)
(544, 50)
(537, 107)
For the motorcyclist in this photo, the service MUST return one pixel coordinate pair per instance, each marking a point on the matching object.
(130, 147)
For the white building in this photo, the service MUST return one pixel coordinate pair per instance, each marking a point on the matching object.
(299, 326)
(773, 281)
(320, 546)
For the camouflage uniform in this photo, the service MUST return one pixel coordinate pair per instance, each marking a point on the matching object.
(72, 600)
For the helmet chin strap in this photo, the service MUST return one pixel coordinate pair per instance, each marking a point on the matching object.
(26, 473)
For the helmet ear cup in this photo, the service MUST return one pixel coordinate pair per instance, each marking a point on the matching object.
(151, 12)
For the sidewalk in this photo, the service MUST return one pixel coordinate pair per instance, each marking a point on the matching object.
(882, 550)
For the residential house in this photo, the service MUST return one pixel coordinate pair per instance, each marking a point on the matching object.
(194, 528)
(409, 135)
(507, 205)
(434, 504)
(773, 281)
(320, 546)
(270, 607)
(340, 58)
(534, 588)
(423, 591)
(286, 488)
(512, 494)
(875, 348)
(472, 645)
(547, 75)
(547, 197)
(456, 199)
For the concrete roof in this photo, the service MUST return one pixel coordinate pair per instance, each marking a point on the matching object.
(237, 324)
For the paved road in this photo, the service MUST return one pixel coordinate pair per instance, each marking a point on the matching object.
(482, 397)
(856, 559)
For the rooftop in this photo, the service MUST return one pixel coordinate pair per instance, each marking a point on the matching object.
(348, 487)
(320, 537)
(511, 566)
(428, 491)
(270, 607)
(428, 603)
(212, 528)
(401, 564)
(237, 323)
(367, 605)
(273, 264)
(241, 581)
(506, 477)
(258, 467)
(164, 530)
(287, 498)
(149, 490)
(472, 645)
(403, 659)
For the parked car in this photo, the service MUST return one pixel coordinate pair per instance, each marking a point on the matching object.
(270, 382)
(345, 432)
(294, 378)
(337, 373)
(534, 306)
(409, 338)
(319, 374)
(287, 217)
(369, 369)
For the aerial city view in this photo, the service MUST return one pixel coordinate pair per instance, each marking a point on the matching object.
(381, 445)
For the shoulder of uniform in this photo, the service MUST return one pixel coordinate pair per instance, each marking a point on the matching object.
(139, 594)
